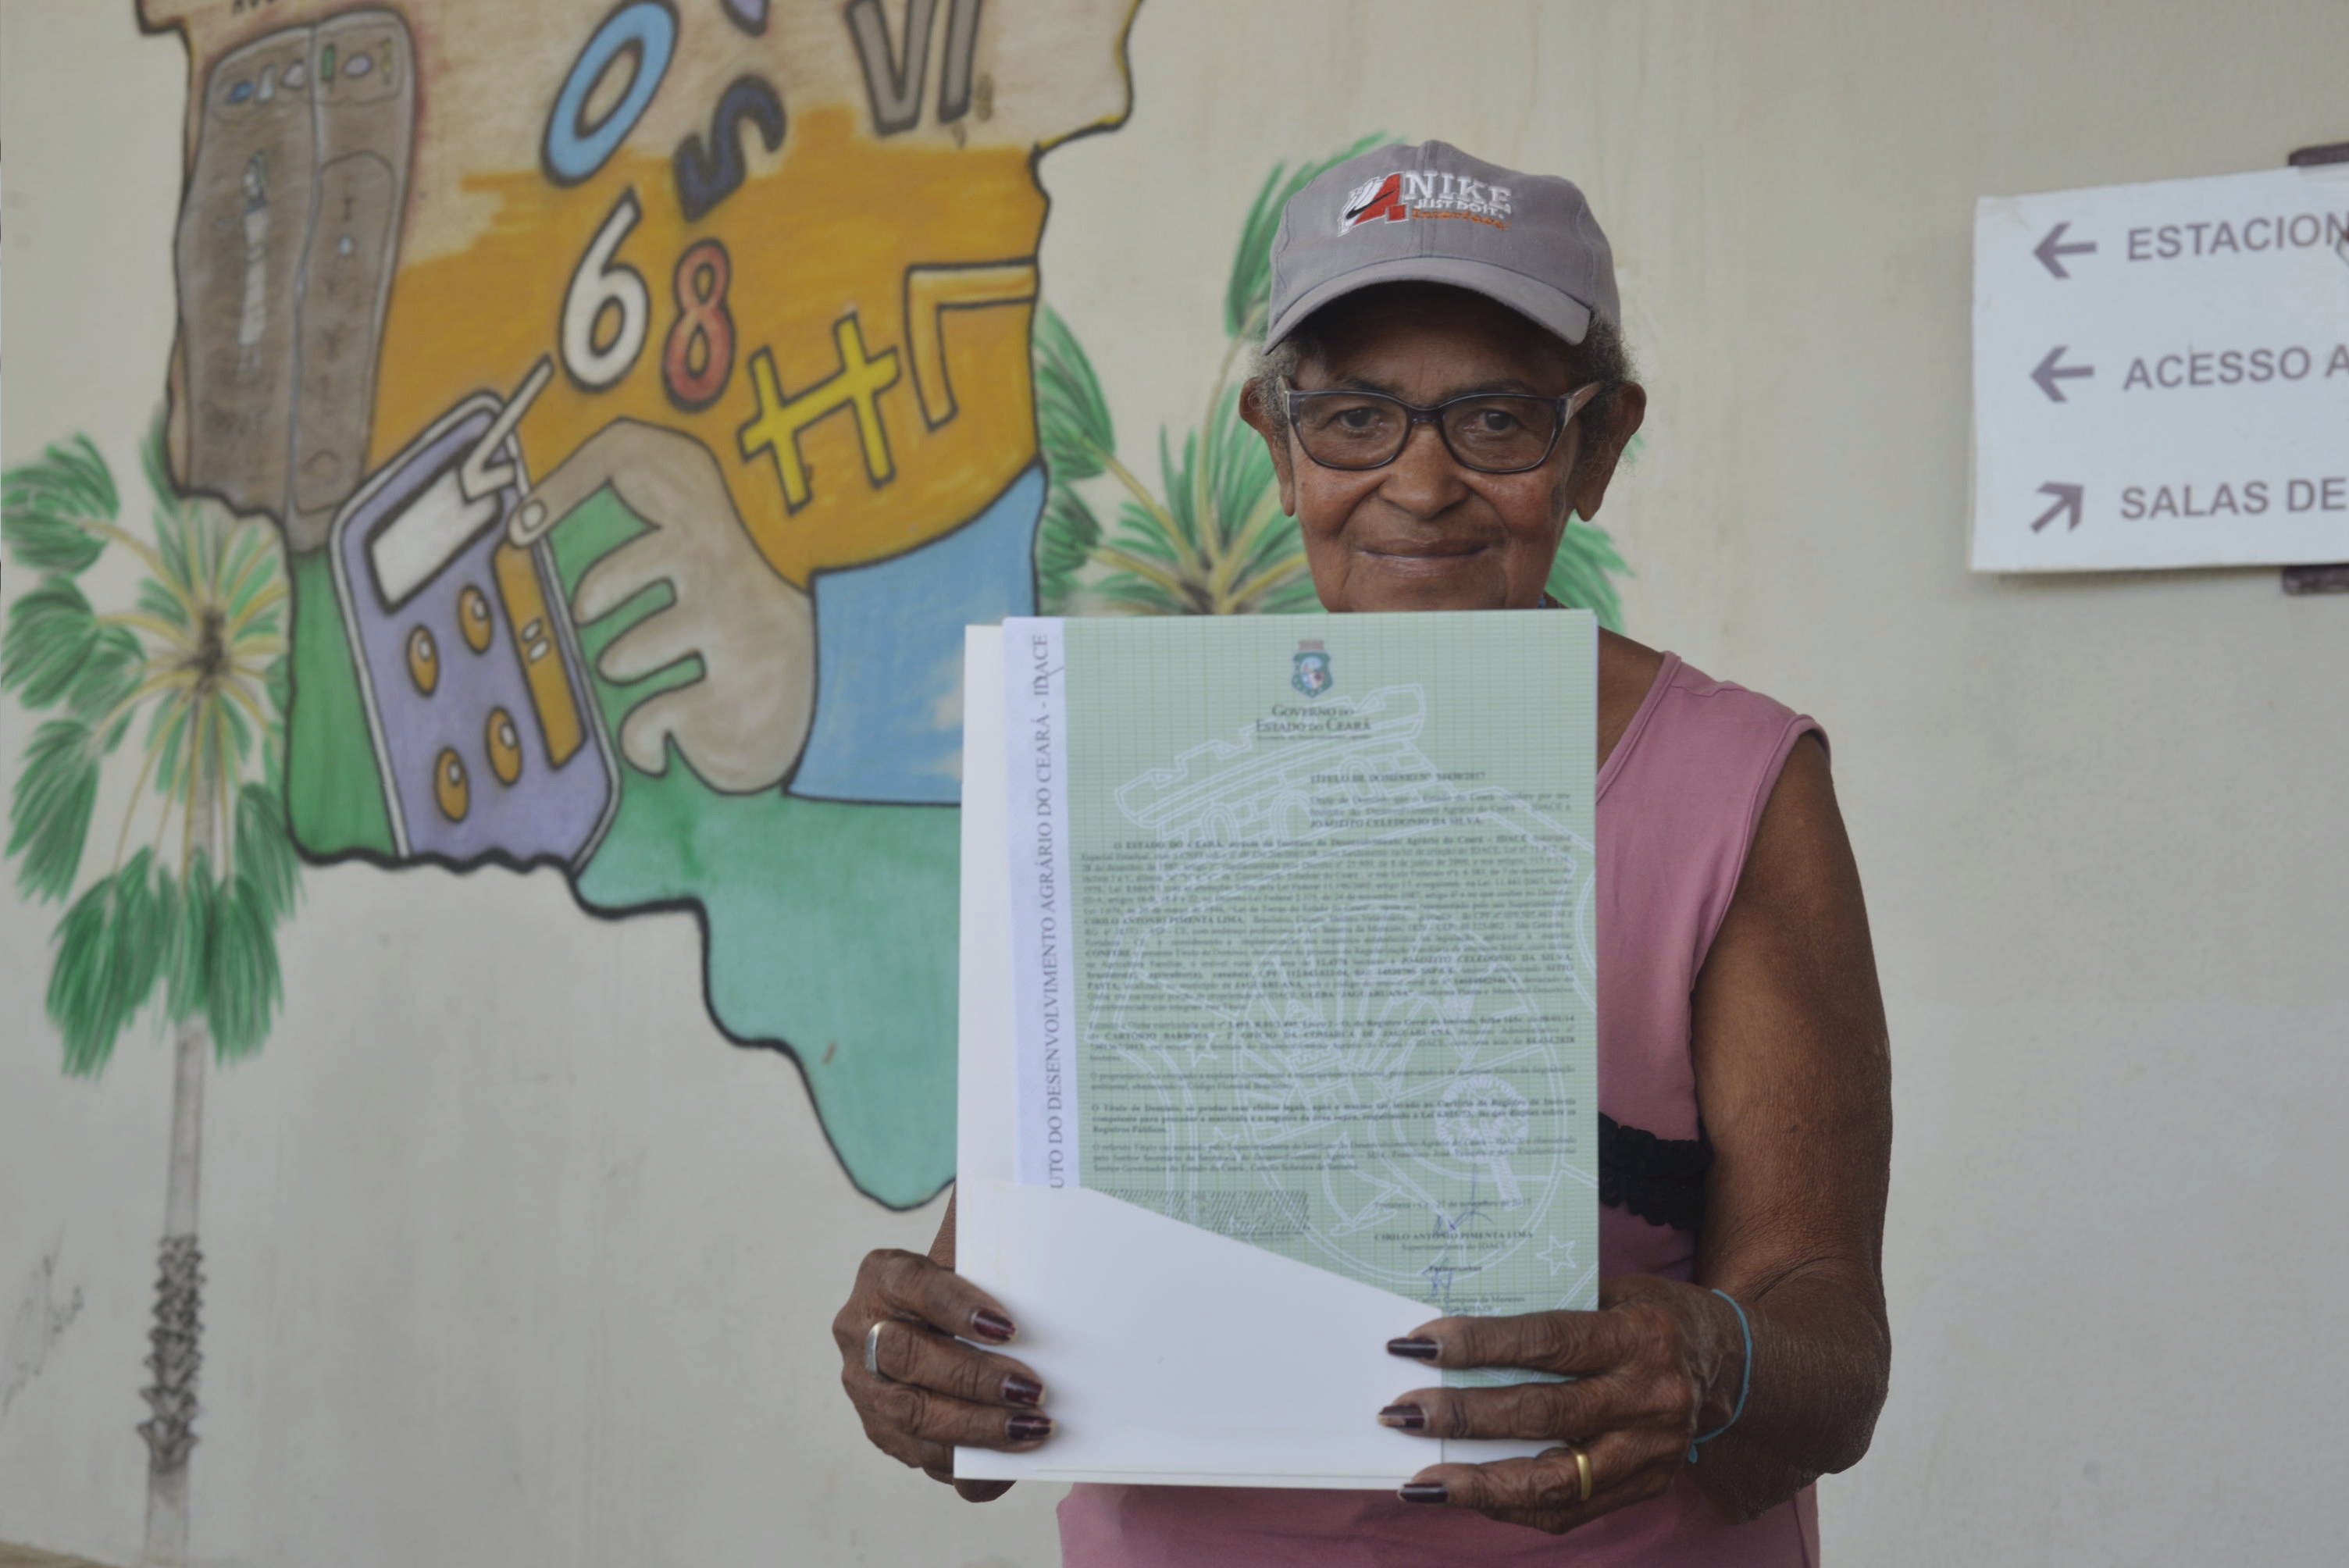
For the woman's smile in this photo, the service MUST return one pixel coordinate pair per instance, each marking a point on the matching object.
(1427, 557)
(1437, 549)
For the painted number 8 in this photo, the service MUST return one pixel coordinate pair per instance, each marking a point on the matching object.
(702, 318)
(598, 286)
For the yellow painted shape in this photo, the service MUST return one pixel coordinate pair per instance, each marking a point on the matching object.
(541, 662)
(449, 786)
(930, 293)
(473, 618)
(780, 421)
(828, 233)
(502, 741)
(423, 660)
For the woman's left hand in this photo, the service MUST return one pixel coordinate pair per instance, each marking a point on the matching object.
(1656, 1365)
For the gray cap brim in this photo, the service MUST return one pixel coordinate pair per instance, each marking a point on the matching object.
(1559, 312)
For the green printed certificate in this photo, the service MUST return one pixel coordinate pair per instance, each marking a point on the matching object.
(1302, 937)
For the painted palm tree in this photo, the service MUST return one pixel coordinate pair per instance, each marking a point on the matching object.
(182, 918)
(1212, 539)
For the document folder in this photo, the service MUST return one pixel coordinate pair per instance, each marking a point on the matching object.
(1170, 1354)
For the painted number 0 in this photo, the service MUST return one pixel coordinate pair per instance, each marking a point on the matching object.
(599, 286)
(702, 274)
(646, 32)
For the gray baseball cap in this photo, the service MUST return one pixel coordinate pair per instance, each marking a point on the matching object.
(1431, 213)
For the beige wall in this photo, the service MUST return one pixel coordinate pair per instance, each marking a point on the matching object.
(2100, 821)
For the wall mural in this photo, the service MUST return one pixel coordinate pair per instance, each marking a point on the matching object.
(643, 392)
(589, 429)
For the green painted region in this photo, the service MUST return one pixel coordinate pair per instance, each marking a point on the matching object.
(830, 927)
(332, 792)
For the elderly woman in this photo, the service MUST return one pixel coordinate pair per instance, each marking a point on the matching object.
(1444, 388)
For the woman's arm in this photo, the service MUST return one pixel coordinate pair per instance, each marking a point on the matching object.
(1793, 1074)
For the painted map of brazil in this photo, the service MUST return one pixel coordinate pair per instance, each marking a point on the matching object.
(644, 395)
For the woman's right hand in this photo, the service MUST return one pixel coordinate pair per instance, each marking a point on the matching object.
(936, 1392)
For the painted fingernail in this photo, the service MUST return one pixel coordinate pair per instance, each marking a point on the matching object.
(991, 1325)
(1409, 1418)
(1415, 1348)
(1026, 1429)
(1424, 1491)
(1019, 1390)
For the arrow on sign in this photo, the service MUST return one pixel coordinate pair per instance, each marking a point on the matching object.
(2047, 375)
(481, 472)
(2067, 498)
(2051, 248)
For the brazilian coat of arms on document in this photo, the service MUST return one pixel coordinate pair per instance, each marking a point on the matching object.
(1309, 670)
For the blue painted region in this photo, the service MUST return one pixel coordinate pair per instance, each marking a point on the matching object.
(888, 713)
(573, 151)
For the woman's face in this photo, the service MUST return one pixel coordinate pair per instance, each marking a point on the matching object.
(1424, 532)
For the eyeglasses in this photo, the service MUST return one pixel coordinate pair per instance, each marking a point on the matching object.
(1491, 432)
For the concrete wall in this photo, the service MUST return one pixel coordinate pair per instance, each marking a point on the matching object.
(515, 1259)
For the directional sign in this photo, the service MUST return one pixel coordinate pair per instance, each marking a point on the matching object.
(2161, 373)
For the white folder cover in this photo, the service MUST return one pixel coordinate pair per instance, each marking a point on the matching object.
(1171, 1354)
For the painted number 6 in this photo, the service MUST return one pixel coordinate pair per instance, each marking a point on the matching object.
(598, 286)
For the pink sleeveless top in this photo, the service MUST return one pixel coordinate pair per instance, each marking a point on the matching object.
(1678, 803)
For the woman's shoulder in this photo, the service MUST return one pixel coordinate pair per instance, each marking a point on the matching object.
(1627, 675)
(1630, 672)
(1627, 670)
(1657, 702)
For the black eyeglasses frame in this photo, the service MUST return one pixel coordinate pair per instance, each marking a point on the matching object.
(1417, 414)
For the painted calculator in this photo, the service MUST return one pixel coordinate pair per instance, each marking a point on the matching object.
(484, 722)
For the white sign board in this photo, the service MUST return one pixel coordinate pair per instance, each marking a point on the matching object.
(2161, 373)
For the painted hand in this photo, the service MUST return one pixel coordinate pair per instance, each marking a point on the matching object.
(742, 724)
(1650, 1368)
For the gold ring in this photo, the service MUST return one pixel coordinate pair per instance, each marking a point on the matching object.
(1581, 1469)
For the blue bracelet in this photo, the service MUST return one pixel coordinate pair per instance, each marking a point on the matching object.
(1744, 1382)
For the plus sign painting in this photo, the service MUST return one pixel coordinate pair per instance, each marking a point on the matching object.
(588, 429)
